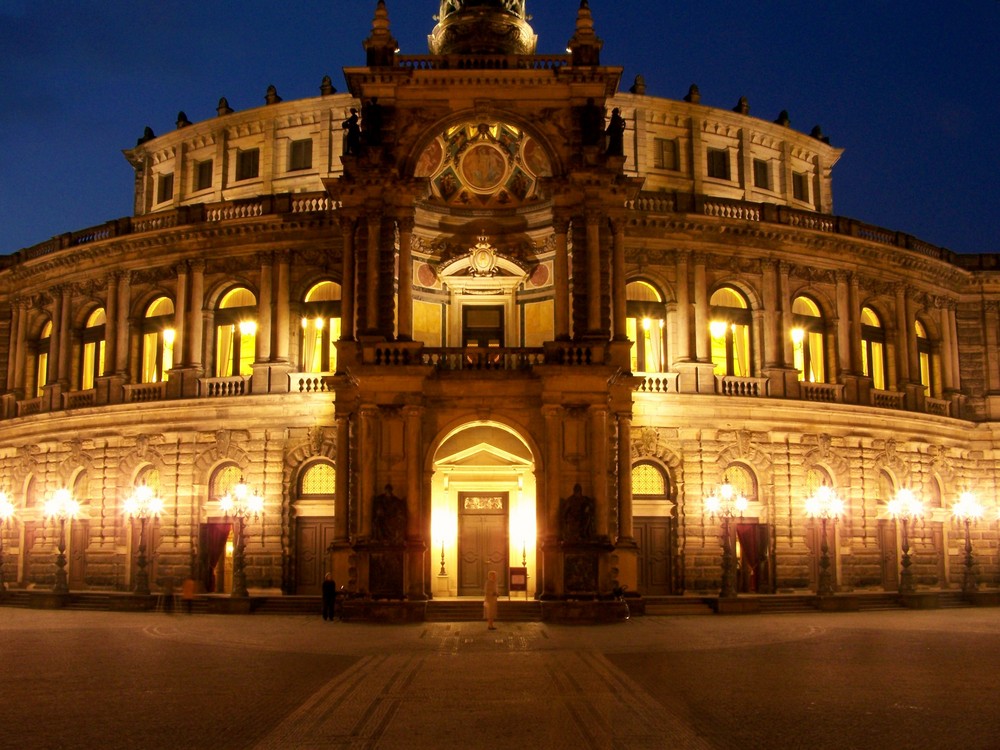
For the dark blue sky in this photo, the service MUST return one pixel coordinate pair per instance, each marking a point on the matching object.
(911, 90)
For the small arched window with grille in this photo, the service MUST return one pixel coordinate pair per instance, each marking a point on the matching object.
(742, 479)
(318, 480)
(224, 479)
(650, 481)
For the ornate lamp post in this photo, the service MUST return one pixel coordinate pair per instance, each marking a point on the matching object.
(144, 505)
(824, 505)
(906, 507)
(242, 504)
(61, 507)
(6, 514)
(967, 511)
(726, 503)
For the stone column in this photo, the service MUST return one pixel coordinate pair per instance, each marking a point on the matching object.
(772, 329)
(947, 343)
(347, 224)
(341, 528)
(843, 325)
(415, 542)
(367, 451)
(626, 532)
(618, 281)
(855, 307)
(19, 349)
(57, 333)
(560, 278)
(283, 312)
(405, 312)
(787, 321)
(64, 336)
(180, 316)
(547, 512)
(594, 219)
(701, 310)
(263, 337)
(196, 323)
(902, 337)
(372, 272)
(123, 325)
(912, 342)
(683, 347)
(599, 467)
(956, 370)
(111, 326)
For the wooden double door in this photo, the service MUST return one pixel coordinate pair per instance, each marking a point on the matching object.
(654, 538)
(482, 540)
(312, 539)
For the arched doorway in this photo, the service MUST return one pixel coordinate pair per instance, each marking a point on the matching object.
(483, 510)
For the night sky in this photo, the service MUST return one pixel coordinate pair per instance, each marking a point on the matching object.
(911, 90)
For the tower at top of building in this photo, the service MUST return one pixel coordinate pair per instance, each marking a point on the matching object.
(482, 27)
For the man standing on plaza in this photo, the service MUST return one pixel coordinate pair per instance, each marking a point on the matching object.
(329, 597)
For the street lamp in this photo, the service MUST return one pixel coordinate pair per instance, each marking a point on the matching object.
(242, 504)
(967, 511)
(824, 505)
(6, 514)
(144, 505)
(727, 503)
(906, 507)
(62, 507)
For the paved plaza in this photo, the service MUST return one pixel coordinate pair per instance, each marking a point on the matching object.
(902, 679)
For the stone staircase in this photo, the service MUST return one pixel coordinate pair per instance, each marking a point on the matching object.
(471, 610)
(670, 606)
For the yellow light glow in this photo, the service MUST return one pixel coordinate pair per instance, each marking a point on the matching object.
(717, 328)
(169, 335)
(798, 335)
(248, 327)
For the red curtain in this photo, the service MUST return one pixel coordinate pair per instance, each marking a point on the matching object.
(216, 535)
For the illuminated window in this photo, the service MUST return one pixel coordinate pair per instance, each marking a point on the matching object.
(873, 348)
(224, 479)
(742, 479)
(645, 326)
(808, 340)
(235, 333)
(649, 480)
(158, 340)
(319, 479)
(92, 365)
(42, 358)
(321, 328)
(730, 332)
(924, 356)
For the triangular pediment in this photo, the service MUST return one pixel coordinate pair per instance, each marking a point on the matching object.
(483, 455)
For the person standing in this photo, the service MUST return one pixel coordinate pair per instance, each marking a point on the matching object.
(329, 597)
(490, 599)
(187, 593)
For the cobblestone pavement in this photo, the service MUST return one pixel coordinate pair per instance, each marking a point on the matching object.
(151, 681)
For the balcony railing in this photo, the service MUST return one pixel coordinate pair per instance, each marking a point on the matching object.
(938, 406)
(659, 383)
(223, 387)
(310, 382)
(829, 393)
(79, 399)
(142, 393)
(476, 358)
(889, 399)
(729, 385)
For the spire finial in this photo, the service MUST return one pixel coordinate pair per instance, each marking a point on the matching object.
(585, 46)
(380, 47)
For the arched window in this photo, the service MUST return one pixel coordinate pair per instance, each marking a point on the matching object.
(225, 478)
(92, 366)
(42, 358)
(648, 480)
(873, 348)
(319, 479)
(730, 331)
(816, 478)
(149, 476)
(808, 340)
(924, 355)
(645, 323)
(235, 333)
(742, 479)
(321, 328)
(886, 487)
(158, 340)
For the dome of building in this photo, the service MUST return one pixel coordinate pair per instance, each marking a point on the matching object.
(482, 27)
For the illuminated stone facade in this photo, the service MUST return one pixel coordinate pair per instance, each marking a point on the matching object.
(465, 328)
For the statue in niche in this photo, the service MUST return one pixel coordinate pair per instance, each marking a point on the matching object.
(388, 518)
(577, 517)
(352, 134)
(616, 134)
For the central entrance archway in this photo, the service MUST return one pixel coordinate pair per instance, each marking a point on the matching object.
(483, 513)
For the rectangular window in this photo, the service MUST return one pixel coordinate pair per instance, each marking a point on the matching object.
(718, 163)
(665, 154)
(247, 164)
(300, 155)
(203, 175)
(800, 186)
(761, 174)
(165, 188)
